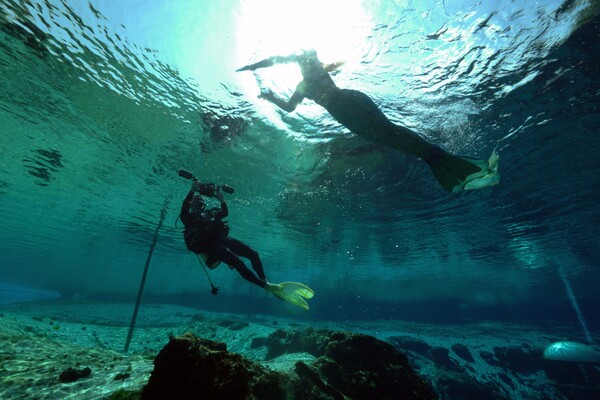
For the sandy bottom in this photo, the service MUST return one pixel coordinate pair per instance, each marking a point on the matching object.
(38, 341)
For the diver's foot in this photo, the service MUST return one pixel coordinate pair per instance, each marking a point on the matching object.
(272, 288)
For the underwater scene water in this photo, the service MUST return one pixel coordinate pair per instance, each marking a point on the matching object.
(102, 102)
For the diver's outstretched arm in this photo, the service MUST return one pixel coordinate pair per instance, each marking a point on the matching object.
(269, 62)
(289, 105)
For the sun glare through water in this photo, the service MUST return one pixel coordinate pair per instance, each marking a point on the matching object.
(338, 30)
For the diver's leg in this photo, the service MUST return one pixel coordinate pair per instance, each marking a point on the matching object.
(228, 257)
(242, 249)
(359, 113)
(401, 138)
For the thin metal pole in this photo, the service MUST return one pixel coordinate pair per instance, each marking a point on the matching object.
(144, 275)
(205, 271)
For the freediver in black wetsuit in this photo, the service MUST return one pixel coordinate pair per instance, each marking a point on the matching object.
(357, 112)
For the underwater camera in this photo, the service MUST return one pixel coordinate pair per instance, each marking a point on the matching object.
(206, 189)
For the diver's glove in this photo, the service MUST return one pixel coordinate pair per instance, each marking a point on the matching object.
(268, 62)
(266, 94)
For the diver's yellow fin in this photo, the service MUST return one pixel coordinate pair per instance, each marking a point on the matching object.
(292, 292)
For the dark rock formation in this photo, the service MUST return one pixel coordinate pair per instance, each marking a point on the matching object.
(441, 356)
(303, 341)
(348, 366)
(454, 385)
(490, 358)
(523, 360)
(189, 368)
(463, 352)
(451, 378)
(258, 342)
(417, 346)
(72, 374)
(233, 325)
(577, 381)
(363, 367)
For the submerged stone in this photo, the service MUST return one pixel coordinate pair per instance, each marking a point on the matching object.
(72, 374)
(347, 366)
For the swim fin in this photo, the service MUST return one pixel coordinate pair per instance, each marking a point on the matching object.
(291, 292)
(457, 173)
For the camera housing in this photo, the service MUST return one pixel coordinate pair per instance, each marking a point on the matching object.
(206, 189)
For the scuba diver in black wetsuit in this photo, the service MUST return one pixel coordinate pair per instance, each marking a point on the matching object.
(357, 112)
(207, 234)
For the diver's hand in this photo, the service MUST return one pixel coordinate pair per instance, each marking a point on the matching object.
(195, 186)
(266, 94)
(268, 62)
(219, 195)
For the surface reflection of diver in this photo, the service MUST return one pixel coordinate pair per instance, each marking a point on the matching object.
(357, 112)
(206, 233)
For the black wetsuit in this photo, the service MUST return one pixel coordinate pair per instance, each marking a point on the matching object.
(206, 232)
(357, 111)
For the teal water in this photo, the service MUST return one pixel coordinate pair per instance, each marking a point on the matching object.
(101, 103)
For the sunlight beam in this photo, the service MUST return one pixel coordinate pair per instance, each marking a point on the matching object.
(338, 30)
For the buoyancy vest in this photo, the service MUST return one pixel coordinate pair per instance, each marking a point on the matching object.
(204, 230)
